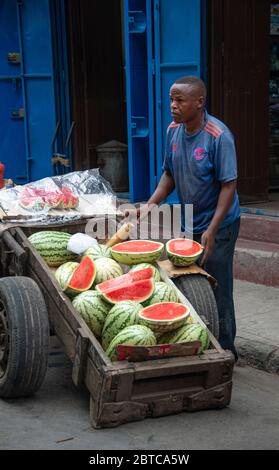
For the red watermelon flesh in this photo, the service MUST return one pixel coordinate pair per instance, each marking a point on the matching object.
(83, 277)
(184, 247)
(137, 246)
(164, 311)
(137, 291)
(126, 279)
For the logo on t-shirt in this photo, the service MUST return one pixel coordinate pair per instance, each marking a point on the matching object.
(199, 153)
(174, 147)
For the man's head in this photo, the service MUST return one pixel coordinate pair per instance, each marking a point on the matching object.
(187, 96)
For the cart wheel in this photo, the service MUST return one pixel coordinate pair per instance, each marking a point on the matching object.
(197, 289)
(24, 337)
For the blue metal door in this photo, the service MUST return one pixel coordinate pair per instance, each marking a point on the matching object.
(178, 52)
(139, 92)
(28, 118)
(164, 40)
(12, 142)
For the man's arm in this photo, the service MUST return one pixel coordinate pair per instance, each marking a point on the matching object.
(165, 187)
(224, 203)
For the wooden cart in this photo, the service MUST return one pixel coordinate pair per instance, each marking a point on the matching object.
(32, 304)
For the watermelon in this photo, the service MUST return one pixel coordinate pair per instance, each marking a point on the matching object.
(166, 338)
(121, 315)
(68, 199)
(164, 316)
(35, 198)
(192, 332)
(131, 335)
(137, 251)
(162, 293)
(52, 246)
(156, 273)
(32, 203)
(98, 251)
(82, 278)
(183, 251)
(64, 273)
(106, 268)
(92, 309)
(137, 291)
(125, 279)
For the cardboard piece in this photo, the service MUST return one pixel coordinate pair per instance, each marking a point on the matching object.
(175, 271)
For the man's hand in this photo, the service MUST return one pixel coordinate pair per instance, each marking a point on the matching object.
(207, 241)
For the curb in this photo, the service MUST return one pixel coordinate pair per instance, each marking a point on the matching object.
(258, 354)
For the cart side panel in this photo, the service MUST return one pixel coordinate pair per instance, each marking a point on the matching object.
(160, 388)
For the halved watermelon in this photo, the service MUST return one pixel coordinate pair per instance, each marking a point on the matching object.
(137, 251)
(183, 251)
(125, 279)
(164, 316)
(137, 291)
(82, 278)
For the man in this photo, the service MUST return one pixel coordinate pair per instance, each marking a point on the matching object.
(200, 162)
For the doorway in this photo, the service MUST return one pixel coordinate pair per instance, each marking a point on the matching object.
(238, 85)
(97, 77)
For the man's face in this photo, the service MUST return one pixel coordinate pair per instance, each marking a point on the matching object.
(185, 103)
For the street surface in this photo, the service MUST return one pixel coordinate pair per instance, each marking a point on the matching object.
(57, 417)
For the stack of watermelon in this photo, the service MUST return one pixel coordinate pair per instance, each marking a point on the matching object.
(35, 198)
(135, 308)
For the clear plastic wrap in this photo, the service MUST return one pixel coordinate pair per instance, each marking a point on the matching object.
(80, 194)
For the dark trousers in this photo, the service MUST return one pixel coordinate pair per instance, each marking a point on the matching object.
(220, 266)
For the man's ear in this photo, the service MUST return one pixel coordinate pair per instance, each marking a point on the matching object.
(201, 102)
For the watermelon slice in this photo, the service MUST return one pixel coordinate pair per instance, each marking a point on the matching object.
(183, 251)
(82, 278)
(164, 316)
(137, 291)
(125, 279)
(137, 251)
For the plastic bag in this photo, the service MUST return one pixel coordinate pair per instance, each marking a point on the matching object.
(60, 198)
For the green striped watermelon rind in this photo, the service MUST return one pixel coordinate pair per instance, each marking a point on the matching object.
(64, 272)
(181, 260)
(52, 246)
(92, 309)
(162, 293)
(187, 333)
(121, 315)
(131, 335)
(106, 269)
(131, 258)
(98, 251)
(162, 326)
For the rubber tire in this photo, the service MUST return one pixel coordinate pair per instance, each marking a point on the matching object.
(28, 333)
(197, 289)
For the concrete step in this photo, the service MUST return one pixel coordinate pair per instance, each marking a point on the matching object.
(257, 261)
(259, 228)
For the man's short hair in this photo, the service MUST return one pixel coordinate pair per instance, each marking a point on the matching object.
(193, 81)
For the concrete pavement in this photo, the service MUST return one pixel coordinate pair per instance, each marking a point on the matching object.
(57, 417)
(257, 315)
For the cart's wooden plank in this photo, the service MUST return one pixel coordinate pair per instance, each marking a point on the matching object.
(113, 414)
(177, 365)
(80, 358)
(63, 330)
